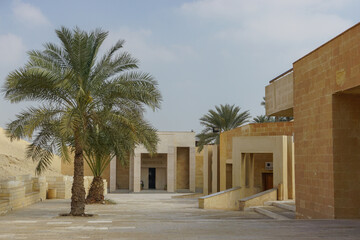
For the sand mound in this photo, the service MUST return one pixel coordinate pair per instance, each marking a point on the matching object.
(14, 163)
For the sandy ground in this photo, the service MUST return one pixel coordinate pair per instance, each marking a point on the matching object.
(14, 163)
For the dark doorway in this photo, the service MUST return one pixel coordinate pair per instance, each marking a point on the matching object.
(152, 177)
(267, 179)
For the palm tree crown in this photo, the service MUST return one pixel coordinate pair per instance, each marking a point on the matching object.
(223, 118)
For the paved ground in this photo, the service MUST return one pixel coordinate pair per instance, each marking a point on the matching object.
(157, 216)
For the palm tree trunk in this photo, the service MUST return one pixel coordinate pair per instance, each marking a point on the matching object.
(78, 189)
(96, 192)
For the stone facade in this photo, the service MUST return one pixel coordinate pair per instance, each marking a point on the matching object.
(327, 125)
(326, 90)
(173, 168)
(253, 129)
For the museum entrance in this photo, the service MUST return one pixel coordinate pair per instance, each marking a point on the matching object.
(153, 171)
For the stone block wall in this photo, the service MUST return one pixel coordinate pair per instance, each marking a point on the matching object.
(252, 129)
(326, 128)
(21, 191)
(63, 185)
(182, 168)
(199, 179)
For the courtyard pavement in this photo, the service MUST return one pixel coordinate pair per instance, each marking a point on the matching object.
(158, 216)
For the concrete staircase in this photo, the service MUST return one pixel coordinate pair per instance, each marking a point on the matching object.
(279, 210)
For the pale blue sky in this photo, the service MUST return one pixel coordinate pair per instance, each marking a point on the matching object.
(203, 53)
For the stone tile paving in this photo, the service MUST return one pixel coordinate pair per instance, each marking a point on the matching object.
(157, 216)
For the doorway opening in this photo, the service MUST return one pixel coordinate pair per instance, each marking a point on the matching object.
(152, 178)
(267, 179)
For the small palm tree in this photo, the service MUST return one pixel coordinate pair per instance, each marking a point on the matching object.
(77, 91)
(226, 117)
(114, 142)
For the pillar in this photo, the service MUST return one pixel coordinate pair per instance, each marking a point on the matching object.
(171, 169)
(237, 156)
(135, 172)
(280, 165)
(205, 171)
(251, 170)
(192, 169)
(113, 174)
(243, 170)
(291, 167)
(214, 168)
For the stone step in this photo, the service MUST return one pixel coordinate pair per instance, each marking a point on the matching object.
(274, 212)
(289, 207)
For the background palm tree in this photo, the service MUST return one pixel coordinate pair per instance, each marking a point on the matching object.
(77, 90)
(104, 144)
(263, 119)
(223, 118)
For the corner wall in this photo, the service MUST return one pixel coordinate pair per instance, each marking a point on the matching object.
(322, 150)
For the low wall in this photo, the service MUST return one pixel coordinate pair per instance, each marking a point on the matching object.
(258, 199)
(226, 200)
(21, 191)
(63, 185)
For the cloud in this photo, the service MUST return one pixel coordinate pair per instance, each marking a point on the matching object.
(277, 21)
(29, 15)
(12, 50)
(141, 44)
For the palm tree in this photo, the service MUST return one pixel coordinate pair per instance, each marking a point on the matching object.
(263, 119)
(226, 117)
(263, 102)
(76, 90)
(114, 142)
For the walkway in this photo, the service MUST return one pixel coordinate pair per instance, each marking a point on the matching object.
(158, 216)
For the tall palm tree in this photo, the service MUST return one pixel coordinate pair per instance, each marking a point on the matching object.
(226, 117)
(76, 90)
(104, 144)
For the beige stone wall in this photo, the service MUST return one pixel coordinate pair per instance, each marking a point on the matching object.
(327, 129)
(346, 135)
(63, 185)
(258, 199)
(279, 96)
(182, 168)
(260, 159)
(21, 191)
(228, 176)
(67, 169)
(173, 139)
(199, 180)
(253, 129)
(225, 200)
(243, 158)
(159, 162)
(122, 176)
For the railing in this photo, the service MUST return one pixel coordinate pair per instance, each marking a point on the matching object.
(281, 75)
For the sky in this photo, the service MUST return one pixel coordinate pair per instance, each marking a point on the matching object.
(202, 53)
